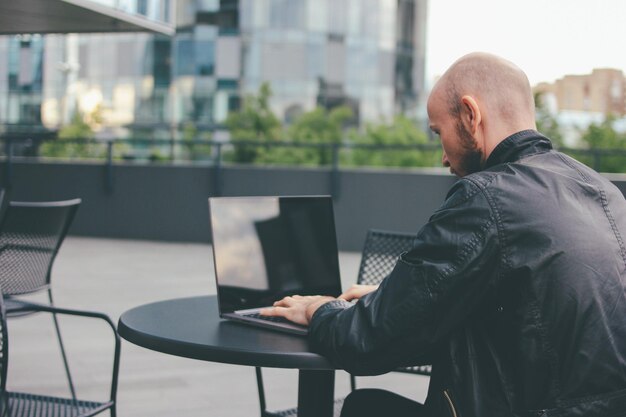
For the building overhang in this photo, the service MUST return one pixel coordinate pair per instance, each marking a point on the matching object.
(72, 16)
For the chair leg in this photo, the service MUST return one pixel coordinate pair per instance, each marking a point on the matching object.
(63, 354)
(352, 382)
(259, 383)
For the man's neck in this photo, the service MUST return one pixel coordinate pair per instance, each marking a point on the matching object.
(497, 136)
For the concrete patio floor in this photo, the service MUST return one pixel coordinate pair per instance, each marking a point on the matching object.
(112, 276)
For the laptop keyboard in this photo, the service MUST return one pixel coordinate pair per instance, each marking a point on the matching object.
(269, 318)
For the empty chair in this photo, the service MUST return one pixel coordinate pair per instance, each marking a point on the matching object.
(30, 237)
(20, 404)
(380, 254)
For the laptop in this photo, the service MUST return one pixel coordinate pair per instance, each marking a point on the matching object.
(267, 248)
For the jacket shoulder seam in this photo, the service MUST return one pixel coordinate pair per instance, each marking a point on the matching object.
(497, 217)
(574, 167)
(611, 219)
(475, 190)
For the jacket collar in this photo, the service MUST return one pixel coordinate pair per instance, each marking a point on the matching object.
(518, 145)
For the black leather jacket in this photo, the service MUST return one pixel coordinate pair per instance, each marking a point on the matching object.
(515, 291)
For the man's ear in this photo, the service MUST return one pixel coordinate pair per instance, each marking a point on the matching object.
(470, 114)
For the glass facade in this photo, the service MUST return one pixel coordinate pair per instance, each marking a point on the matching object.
(366, 54)
(22, 75)
(156, 10)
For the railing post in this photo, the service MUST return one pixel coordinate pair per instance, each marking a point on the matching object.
(334, 172)
(8, 167)
(108, 168)
(217, 170)
(172, 151)
(597, 159)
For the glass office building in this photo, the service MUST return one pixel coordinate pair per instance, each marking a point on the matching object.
(366, 54)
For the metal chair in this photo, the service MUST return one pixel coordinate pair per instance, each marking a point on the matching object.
(380, 254)
(2, 194)
(30, 237)
(19, 404)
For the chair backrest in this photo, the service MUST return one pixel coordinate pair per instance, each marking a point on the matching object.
(380, 253)
(4, 354)
(30, 237)
(2, 204)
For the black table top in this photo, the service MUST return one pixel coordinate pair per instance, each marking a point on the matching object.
(191, 327)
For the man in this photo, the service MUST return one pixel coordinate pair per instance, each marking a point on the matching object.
(515, 290)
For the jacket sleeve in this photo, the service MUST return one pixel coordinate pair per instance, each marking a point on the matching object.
(432, 289)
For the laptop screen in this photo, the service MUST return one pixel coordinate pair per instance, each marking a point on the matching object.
(266, 248)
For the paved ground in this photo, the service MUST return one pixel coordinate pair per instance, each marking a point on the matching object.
(114, 275)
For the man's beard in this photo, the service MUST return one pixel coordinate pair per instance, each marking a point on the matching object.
(471, 160)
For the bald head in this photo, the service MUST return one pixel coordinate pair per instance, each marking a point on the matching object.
(497, 84)
(480, 101)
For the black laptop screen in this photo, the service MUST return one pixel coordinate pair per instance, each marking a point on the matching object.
(268, 247)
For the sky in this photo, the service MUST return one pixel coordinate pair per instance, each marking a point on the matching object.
(546, 38)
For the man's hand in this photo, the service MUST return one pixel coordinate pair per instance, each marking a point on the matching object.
(357, 291)
(299, 309)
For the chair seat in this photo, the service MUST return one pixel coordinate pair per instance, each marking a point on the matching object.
(21, 404)
(293, 412)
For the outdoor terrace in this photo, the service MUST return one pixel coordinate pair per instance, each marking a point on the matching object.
(113, 275)
(162, 204)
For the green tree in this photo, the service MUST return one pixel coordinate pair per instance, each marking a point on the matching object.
(72, 140)
(254, 122)
(602, 137)
(191, 134)
(401, 131)
(546, 122)
(316, 127)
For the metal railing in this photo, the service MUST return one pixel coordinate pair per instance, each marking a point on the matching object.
(215, 153)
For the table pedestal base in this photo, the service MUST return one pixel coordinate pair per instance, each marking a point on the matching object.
(316, 390)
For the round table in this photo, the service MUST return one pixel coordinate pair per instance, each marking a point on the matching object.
(192, 328)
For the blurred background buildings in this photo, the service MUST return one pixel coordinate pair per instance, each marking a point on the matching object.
(366, 54)
(577, 101)
(154, 74)
(602, 91)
